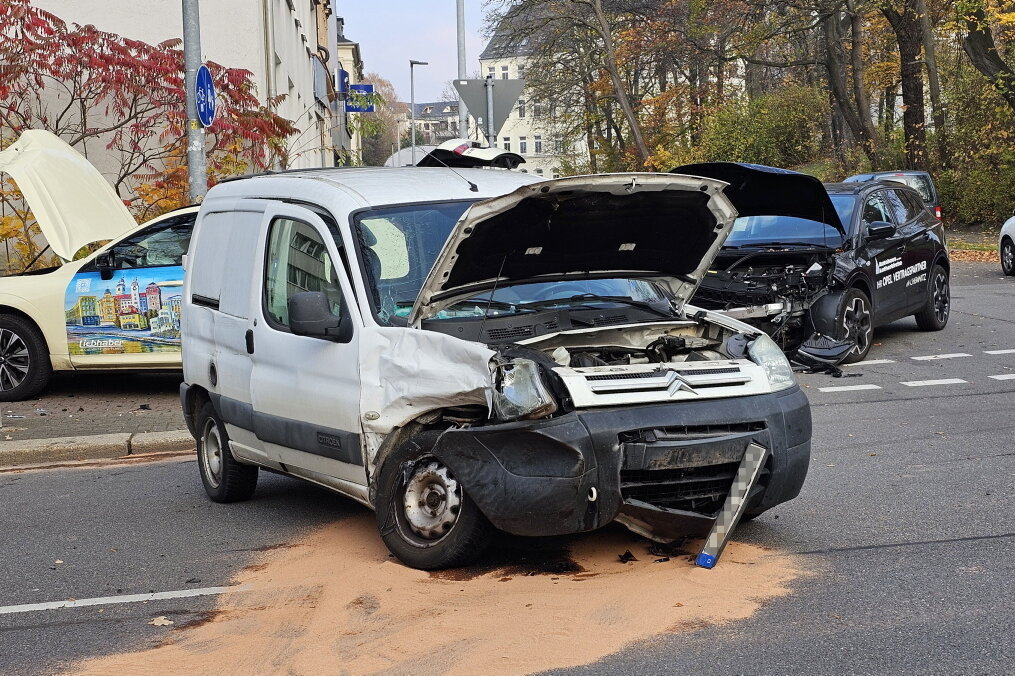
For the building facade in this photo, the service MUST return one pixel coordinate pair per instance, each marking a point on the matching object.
(290, 47)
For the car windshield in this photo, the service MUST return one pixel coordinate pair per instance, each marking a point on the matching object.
(916, 181)
(400, 244)
(767, 230)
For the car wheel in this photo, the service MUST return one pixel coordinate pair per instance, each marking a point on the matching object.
(934, 315)
(224, 478)
(856, 322)
(1008, 256)
(25, 368)
(425, 517)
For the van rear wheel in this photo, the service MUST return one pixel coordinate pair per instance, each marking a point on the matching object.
(224, 478)
(425, 517)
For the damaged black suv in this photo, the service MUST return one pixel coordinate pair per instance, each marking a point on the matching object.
(852, 257)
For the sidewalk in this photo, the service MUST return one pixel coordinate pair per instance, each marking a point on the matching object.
(87, 416)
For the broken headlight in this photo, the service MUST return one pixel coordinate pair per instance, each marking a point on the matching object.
(765, 353)
(519, 391)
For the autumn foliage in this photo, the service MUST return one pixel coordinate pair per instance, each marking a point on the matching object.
(121, 103)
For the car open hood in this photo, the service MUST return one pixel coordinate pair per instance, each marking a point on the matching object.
(72, 202)
(757, 190)
(661, 227)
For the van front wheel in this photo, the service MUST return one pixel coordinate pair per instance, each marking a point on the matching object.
(224, 479)
(425, 517)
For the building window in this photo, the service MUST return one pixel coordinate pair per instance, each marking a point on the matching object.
(521, 108)
(491, 71)
(539, 172)
(506, 143)
(556, 172)
(523, 145)
(537, 109)
(558, 144)
(521, 70)
(537, 143)
(503, 72)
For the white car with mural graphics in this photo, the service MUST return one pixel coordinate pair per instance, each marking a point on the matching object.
(117, 308)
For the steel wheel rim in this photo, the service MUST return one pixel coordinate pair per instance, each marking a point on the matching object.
(942, 297)
(431, 503)
(856, 320)
(211, 453)
(15, 360)
(1008, 257)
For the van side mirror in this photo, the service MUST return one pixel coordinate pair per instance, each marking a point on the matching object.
(105, 262)
(880, 230)
(310, 315)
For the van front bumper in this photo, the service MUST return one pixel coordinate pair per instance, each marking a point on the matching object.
(662, 469)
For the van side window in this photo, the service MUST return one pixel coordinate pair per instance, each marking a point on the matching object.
(297, 260)
(161, 244)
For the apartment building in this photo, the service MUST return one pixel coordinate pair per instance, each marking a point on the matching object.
(291, 46)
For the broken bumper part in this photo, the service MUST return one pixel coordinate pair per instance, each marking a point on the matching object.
(663, 470)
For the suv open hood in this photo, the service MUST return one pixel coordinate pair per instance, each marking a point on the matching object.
(757, 190)
(661, 227)
(72, 202)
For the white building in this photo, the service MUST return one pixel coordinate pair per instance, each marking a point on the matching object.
(528, 130)
(290, 46)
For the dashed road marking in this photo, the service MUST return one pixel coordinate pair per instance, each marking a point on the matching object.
(849, 388)
(931, 357)
(127, 598)
(1004, 376)
(943, 381)
(871, 362)
(999, 352)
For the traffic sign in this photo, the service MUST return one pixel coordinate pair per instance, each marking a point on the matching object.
(505, 93)
(354, 106)
(204, 94)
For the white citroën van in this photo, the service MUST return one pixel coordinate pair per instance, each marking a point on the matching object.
(479, 349)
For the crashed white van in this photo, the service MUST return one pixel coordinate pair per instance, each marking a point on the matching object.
(470, 350)
(113, 309)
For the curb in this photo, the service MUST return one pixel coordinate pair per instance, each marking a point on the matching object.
(93, 447)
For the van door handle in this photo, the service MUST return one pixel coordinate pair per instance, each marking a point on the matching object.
(249, 337)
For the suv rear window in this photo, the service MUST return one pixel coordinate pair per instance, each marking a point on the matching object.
(917, 182)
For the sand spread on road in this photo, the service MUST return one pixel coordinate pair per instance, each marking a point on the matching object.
(337, 603)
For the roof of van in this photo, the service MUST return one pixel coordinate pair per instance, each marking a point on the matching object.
(391, 185)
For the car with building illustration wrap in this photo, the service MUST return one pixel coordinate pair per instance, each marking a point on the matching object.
(471, 350)
(868, 254)
(116, 308)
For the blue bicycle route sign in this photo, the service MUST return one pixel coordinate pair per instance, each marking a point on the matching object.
(204, 94)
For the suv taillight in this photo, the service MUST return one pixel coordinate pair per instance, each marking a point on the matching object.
(937, 212)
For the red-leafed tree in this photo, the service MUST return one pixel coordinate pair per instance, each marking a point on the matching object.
(121, 103)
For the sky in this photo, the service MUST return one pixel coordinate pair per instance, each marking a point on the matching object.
(391, 32)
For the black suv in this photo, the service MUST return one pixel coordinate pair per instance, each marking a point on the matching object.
(860, 255)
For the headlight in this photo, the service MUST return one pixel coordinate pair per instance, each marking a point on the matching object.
(766, 354)
(519, 391)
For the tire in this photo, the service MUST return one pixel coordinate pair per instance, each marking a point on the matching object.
(935, 313)
(224, 478)
(425, 517)
(25, 368)
(1008, 256)
(855, 319)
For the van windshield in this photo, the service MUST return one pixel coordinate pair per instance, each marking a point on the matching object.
(400, 244)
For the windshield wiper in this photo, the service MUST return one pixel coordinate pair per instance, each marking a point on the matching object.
(478, 302)
(766, 245)
(668, 313)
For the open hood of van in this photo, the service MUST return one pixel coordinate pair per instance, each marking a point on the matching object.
(72, 202)
(663, 227)
(759, 190)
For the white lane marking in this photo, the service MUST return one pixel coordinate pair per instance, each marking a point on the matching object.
(930, 357)
(943, 381)
(871, 362)
(999, 352)
(849, 388)
(1004, 376)
(127, 598)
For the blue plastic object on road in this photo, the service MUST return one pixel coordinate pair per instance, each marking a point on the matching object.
(747, 475)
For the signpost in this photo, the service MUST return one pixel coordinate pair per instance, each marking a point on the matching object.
(204, 96)
(197, 171)
(496, 97)
(359, 91)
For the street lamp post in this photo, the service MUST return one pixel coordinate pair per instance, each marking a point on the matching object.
(412, 102)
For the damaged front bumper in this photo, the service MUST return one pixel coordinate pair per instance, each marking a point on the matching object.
(663, 470)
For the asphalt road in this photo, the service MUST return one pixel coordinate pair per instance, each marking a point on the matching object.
(905, 525)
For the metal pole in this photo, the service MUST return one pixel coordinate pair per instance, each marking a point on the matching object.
(490, 139)
(463, 120)
(197, 172)
(412, 103)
